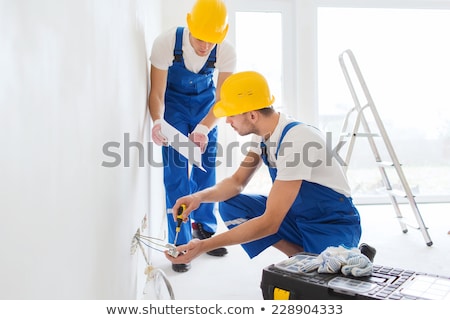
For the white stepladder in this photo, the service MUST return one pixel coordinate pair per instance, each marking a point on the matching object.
(350, 134)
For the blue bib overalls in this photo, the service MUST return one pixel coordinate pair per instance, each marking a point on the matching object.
(189, 97)
(319, 217)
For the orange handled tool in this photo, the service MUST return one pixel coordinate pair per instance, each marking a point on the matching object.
(179, 222)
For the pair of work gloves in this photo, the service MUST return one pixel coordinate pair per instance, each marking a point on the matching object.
(199, 136)
(334, 259)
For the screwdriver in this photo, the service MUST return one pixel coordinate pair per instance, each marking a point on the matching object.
(179, 221)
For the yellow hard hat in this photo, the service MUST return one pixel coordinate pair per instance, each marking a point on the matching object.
(208, 20)
(243, 92)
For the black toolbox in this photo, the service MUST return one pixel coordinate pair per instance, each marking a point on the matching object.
(282, 281)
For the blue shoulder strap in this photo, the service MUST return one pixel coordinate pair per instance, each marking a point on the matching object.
(283, 133)
(210, 63)
(178, 51)
(212, 58)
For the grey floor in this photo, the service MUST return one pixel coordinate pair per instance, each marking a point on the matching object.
(236, 277)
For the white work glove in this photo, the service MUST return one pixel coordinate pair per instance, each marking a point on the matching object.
(357, 265)
(331, 260)
(335, 259)
(200, 136)
(157, 135)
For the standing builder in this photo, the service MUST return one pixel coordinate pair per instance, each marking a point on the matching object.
(184, 66)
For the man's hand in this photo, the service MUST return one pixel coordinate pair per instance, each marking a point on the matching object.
(157, 135)
(200, 136)
(191, 202)
(188, 252)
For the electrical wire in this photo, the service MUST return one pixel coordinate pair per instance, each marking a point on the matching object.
(151, 243)
(156, 278)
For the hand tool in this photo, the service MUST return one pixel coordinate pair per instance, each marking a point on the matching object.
(172, 249)
(179, 221)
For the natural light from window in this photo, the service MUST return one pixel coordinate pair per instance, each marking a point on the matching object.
(404, 58)
(259, 48)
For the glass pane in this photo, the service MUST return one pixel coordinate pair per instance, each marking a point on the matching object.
(259, 48)
(404, 57)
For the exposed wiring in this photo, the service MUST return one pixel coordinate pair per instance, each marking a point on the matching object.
(143, 252)
(150, 242)
(155, 276)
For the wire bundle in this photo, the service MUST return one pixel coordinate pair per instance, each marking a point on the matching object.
(157, 285)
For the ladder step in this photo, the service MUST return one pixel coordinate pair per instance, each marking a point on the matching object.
(397, 193)
(409, 223)
(350, 134)
(386, 164)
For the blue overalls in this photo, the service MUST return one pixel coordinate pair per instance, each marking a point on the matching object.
(319, 217)
(189, 97)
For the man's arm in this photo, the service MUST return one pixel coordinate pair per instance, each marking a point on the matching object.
(280, 200)
(223, 190)
(158, 79)
(200, 133)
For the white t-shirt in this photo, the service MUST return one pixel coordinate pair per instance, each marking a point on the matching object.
(162, 53)
(303, 155)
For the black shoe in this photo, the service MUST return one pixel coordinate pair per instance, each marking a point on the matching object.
(199, 233)
(182, 267)
(368, 251)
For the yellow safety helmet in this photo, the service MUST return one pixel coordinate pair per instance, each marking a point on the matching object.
(243, 92)
(208, 20)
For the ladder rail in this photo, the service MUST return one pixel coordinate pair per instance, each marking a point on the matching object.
(388, 144)
(360, 110)
(352, 140)
(368, 133)
(378, 121)
(360, 118)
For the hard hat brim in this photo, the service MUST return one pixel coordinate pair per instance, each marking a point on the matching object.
(220, 110)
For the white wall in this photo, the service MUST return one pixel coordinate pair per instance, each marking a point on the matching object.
(73, 77)
(175, 11)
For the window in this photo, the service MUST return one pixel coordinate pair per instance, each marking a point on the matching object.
(404, 58)
(261, 46)
(403, 55)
